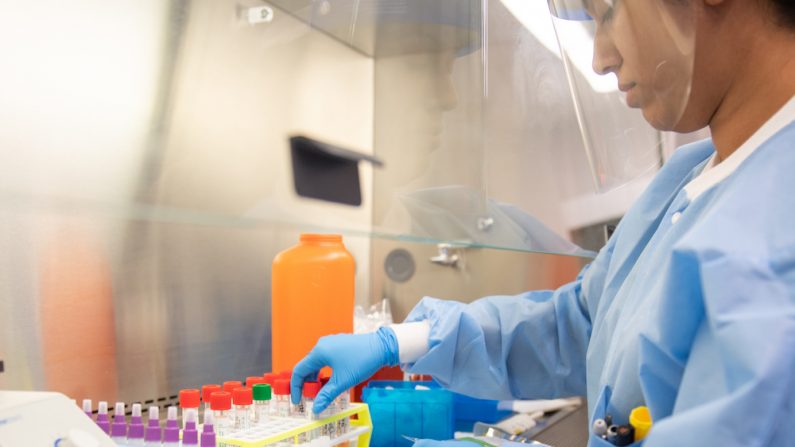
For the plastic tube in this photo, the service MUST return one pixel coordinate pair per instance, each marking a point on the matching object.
(171, 433)
(154, 434)
(310, 394)
(103, 420)
(118, 430)
(343, 402)
(190, 436)
(221, 405)
(281, 390)
(189, 399)
(135, 433)
(242, 400)
(208, 432)
(262, 403)
(87, 408)
(207, 391)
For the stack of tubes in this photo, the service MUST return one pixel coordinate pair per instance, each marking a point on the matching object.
(227, 408)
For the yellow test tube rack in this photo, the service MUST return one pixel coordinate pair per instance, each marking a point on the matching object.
(293, 431)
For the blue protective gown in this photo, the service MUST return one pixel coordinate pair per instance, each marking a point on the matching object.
(689, 309)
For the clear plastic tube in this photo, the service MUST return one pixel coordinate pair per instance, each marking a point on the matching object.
(242, 417)
(221, 404)
(298, 410)
(262, 411)
(242, 398)
(343, 402)
(281, 391)
(207, 391)
(283, 405)
(223, 422)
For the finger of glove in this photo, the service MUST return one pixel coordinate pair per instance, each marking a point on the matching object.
(327, 395)
(308, 367)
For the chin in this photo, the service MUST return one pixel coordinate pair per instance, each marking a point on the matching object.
(665, 117)
(659, 121)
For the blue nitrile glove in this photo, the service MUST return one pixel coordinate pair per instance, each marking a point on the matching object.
(354, 359)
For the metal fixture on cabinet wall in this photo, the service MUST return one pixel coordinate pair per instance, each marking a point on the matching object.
(259, 14)
(399, 265)
(448, 255)
(485, 223)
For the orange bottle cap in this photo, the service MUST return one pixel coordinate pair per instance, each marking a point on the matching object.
(221, 401)
(189, 398)
(242, 396)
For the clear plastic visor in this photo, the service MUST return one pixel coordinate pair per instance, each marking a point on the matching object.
(629, 65)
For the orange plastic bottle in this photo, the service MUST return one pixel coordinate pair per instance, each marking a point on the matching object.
(312, 296)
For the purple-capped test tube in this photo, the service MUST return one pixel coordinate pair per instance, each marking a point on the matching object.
(103, 420)
(171, 433)
(87, 408)
(135, 433)
(190, 436)
(118, 430)
(154, 433)
(208, 433)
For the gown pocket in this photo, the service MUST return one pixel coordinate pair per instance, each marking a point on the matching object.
(599, 412)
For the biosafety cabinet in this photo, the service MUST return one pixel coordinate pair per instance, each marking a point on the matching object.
(150, 172)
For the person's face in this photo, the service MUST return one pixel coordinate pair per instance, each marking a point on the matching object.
(648, 45)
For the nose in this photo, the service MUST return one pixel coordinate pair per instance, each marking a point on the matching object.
(606, 58)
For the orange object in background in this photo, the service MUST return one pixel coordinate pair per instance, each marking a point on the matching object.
(78, 329)
(312, 296)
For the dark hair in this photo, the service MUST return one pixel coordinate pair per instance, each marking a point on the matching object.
(785, 10)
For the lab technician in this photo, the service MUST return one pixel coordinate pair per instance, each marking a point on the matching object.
(690, 307)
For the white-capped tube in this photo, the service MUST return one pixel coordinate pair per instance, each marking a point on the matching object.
(118, 430)
(87, 407)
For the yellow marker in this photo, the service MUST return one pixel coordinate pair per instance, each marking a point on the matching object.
(640, 419)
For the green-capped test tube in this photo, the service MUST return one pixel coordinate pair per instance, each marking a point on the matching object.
(262, 403)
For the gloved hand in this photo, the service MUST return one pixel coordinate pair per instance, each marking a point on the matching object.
(353, 358)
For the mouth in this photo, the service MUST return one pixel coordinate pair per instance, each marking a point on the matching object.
(626, 87)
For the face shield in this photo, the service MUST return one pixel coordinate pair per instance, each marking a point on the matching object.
(619, 53)
(383, 28)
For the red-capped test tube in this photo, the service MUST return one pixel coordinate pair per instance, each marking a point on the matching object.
(189, 400)
(221, 404)
(207, 391)
(231, 385)
(310, 393)
(242, 399)
(281, 390)
(253, 380)
(270, 378)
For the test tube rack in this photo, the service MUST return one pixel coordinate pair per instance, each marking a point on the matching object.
(281, 431)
